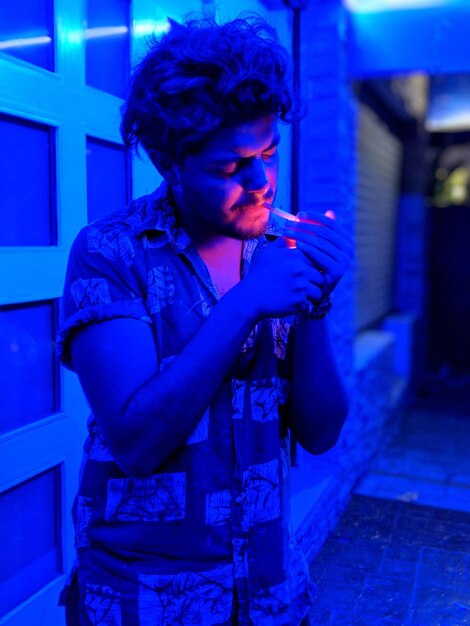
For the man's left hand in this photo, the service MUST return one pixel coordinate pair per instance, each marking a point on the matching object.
(325, 243)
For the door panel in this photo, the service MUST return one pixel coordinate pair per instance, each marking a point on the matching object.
(53, 108)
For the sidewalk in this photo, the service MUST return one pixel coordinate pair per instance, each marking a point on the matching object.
(401, 551)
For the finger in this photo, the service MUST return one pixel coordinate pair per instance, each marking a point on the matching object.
(316, 277)
(308, 278)
(312, 216)
(316, 257)
(322, 281)
(312, 250)
(324, 262)
(314, 293)
(307, 231)
(338, 236)
(325, 219)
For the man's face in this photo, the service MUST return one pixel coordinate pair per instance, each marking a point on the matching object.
(221, 189)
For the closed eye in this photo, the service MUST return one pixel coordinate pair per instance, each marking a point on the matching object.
(228, 170)
(232, 168)
(269, 153)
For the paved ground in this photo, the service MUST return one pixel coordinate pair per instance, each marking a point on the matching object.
(401, 552)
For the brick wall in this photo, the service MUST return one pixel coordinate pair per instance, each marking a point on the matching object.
(321, 485)
(327, 176)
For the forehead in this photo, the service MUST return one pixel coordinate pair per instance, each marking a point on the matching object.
(243, 140)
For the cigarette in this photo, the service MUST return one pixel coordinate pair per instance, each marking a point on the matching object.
(285, 216)
(293, 218)
(281, 213)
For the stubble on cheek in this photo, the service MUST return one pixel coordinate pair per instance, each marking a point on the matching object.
(251, 224)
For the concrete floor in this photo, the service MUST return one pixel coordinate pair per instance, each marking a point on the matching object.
(401, 551)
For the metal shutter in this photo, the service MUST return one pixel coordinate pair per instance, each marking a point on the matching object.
(378, 184)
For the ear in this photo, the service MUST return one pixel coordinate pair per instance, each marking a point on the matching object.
(167, 168)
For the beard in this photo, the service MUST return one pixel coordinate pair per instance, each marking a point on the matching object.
(248, 223)
(244, 220)
(251, 219)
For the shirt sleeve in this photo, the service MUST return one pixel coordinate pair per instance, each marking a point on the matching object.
(102, 282)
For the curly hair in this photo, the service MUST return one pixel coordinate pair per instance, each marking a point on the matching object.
(200, 77)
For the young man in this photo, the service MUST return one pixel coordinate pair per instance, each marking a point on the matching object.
(178, 317)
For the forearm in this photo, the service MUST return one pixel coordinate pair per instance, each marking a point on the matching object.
(161, 414)
(318, 404)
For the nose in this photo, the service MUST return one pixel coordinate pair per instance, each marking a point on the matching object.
(255, 180)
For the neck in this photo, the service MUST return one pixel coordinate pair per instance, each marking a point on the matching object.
(222, 255)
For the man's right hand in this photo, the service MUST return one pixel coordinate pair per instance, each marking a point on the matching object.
(280, 282)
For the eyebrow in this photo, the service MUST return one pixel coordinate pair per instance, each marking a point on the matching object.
(234, 159)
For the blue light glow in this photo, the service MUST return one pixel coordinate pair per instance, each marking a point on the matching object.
(105, 31)
(139, 29)
(21, 42)
(452, 122)
(158, 27)
(449, 105)
(375, 6)
(432, 39)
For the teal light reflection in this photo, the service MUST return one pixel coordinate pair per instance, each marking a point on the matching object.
(139, 29)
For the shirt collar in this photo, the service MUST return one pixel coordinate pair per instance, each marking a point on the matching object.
(156, 212)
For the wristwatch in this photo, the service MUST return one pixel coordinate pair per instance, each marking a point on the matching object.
(316, 311)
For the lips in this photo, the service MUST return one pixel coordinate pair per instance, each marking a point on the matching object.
(252, 205)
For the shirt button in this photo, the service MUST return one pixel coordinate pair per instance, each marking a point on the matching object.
(238, 500)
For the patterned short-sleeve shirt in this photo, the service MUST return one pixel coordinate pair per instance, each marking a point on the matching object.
(206, 538)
